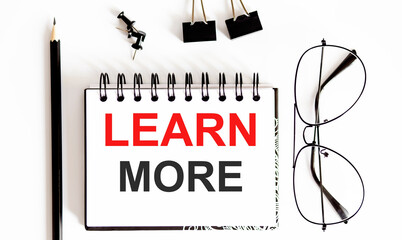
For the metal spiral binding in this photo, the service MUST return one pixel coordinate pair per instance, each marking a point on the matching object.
(256, 81)
(137, 86)
(222, 82)
(170, 83)
(205, 81)
(120, 80)
(239, 93)
(154, 82)
(104, 79)
(187, 87)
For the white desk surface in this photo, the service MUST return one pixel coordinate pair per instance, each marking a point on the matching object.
(91, 44)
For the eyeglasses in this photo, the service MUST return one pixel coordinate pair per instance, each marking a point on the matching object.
(327, 187)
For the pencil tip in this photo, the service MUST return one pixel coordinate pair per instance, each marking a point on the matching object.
(53, 36)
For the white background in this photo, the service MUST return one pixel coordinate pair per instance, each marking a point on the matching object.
(91, 44)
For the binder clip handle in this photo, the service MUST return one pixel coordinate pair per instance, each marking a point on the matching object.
(233, 9)
(203, 13)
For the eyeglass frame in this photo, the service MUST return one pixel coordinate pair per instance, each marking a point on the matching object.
(313, 144)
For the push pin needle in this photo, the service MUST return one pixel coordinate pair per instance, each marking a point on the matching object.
(135, 52)
(124, 30)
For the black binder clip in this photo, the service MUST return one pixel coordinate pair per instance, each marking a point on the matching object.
(205, 81)
(154, 82)
(199, 31)
(222, 82)
(187, 87)
(243, 24)
(137, 90)
(133, 32)
(171, 82)
(120, 80)
(103, 80)
(239, 90)
(256, 81)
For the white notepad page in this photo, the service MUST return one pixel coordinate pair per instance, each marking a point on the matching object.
(243, 177)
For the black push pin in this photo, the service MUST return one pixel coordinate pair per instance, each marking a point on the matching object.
(243, 24)
(133, 32)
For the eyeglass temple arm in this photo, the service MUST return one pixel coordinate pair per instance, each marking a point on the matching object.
(349, 59)
(342, 212)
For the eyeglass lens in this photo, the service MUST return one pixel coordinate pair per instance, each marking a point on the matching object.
(331, 86)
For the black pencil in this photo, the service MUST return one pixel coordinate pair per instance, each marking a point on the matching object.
(55, 73)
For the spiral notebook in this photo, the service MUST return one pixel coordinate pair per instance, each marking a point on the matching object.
(181, 156)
